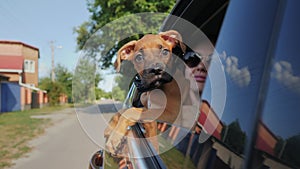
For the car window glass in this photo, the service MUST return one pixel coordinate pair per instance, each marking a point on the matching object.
(244, 58)
(278, 141)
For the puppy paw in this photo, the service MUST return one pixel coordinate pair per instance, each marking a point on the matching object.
(117, 130)
(117, 136)
(116, 144)
(111, 125)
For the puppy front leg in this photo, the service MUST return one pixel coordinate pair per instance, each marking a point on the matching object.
(151, 134)
(116, 135)
(111, 125)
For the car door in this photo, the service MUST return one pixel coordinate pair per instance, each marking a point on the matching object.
(257, 45)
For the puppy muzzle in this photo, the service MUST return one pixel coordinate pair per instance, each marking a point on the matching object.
(152, 79)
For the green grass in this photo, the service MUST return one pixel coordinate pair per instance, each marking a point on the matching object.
(173, 158)
(17, 129)
(109, 161)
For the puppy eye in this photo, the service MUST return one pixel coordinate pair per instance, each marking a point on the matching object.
(139, 58)
(165, 52)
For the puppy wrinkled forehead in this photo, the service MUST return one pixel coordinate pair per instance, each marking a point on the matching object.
(150, 41)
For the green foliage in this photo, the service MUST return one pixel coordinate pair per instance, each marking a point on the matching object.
(291, 151)
(106, 42)
(45, 83)
(102, 94)
(85, 83)
(235, 138)
(64, 77)
(85, 80)
(279, 146)
(54, 90)
(62, 84)
(118, 94)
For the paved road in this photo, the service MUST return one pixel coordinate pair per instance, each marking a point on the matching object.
(66, 144)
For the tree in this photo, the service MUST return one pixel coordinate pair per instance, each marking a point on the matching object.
(102, 94)
(108, 41)
(85, 80)
(64, 77)
(118, 94)
(235, 137)
(54, 89)
(291, 151)
(44, 83)
(278, 149)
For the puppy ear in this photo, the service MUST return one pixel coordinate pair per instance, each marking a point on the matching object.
(173, 38)
(124, 53)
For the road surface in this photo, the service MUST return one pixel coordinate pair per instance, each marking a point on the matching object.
(70, 142)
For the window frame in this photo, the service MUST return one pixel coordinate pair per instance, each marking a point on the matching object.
(29, 66)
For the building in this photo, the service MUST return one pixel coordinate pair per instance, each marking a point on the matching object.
(266, 140)
(19, 64)
(209, 121)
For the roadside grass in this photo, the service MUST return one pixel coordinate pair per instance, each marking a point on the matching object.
(18, 128)
(173, 158)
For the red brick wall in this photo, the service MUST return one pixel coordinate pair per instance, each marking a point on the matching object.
(11, 48)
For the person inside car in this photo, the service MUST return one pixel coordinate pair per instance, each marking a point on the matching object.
(197, 64)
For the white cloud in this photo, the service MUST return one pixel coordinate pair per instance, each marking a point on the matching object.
(240, 76)
(283, 72)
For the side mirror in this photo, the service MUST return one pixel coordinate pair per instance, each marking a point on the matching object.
(96, 160)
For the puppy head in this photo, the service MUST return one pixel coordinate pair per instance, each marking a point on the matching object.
(150, 56)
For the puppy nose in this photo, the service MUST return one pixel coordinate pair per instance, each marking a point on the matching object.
(157, 68)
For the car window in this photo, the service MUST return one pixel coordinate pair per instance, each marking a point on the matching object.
(244, 46)
(278, 141)
(228, 126)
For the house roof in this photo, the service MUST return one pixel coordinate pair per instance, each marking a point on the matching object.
(20, 43)
(11, 63)
(17, 42)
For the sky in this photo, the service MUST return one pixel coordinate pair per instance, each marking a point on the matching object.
(37, 22)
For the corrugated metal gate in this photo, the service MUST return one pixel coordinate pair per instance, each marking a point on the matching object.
(10, 97)
(35, 100)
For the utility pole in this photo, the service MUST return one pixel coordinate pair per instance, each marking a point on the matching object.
(52, 57)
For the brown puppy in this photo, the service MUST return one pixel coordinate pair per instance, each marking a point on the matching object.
(152, 58)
